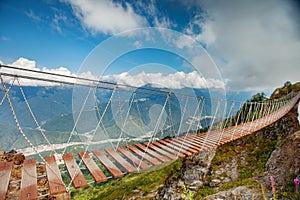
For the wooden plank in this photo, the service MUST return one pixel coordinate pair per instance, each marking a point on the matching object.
(193, 144)
(204, 139)
(144, 155)
(182, 150)
(124, 163)
(29, 180)
(133, 158)
(74, 171)
(153, 153)
(182, 145)
(5, 172)
(161, 151)
(208, 139)
(54, 177)
(199, 144)
(188, 147)
(93, 168)
(110, 166)
(181, 155)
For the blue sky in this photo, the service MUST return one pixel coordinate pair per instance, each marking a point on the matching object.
(255, 45)
(48, 31)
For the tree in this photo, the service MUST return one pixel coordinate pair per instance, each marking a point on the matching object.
(258, 97)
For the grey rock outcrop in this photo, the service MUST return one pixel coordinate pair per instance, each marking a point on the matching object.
(191, 177)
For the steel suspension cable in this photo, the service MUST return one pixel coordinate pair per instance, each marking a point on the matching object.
(77, 120)
(125, 121)
(93, 134)
(156, 125)
(102, 125)
(226, 120)
(34, 118)
(11, 85)
(190, 126)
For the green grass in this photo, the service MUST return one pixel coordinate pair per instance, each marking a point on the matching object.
(251, 154)
(203, 192)
(122, 188)
(250, 183)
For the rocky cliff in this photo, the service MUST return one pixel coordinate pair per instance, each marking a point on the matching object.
(242, 169)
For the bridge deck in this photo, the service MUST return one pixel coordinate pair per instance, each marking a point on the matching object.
(205, 139)
(54, 177)
(193, 144)
(76, 175)
(200, 145)
(153, 153)
(140, 163)
(161, 151)
(172, 146)
(93, 168)
(144, 155)
(166, 148)
(183, 145)
(29, 180)
(5, 172)
(110, 166)
(124, 163)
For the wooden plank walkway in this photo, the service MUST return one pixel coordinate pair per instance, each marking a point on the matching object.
(153, 153)
(74, 171)
(29, 180)
(182, 145)
(5, 172)
(140, 163)
(193, 144)
(54, 177)
(198, 144)
(166, 148)
(161, 151)
(172, 146)
(110, 166)
(203, 139)
(144, 155)
(124, 163)
(93, 168)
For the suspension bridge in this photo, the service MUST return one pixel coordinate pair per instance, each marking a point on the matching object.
(122, 157)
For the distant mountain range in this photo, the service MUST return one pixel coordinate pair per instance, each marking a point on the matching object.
(53, 109)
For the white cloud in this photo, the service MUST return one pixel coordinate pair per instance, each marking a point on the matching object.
(137, 44)
(106, 16)
(183, 41)
(176, 80)
(27, 64)
(33, 16)
(259, 39)
(162, 22)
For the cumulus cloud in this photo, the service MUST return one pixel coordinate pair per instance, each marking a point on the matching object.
(177, 80)
(255, 43)
(27, 64)
(183, 41)
(106, 16)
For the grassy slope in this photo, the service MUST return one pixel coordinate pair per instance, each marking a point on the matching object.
(123, 188)
(256, 150)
